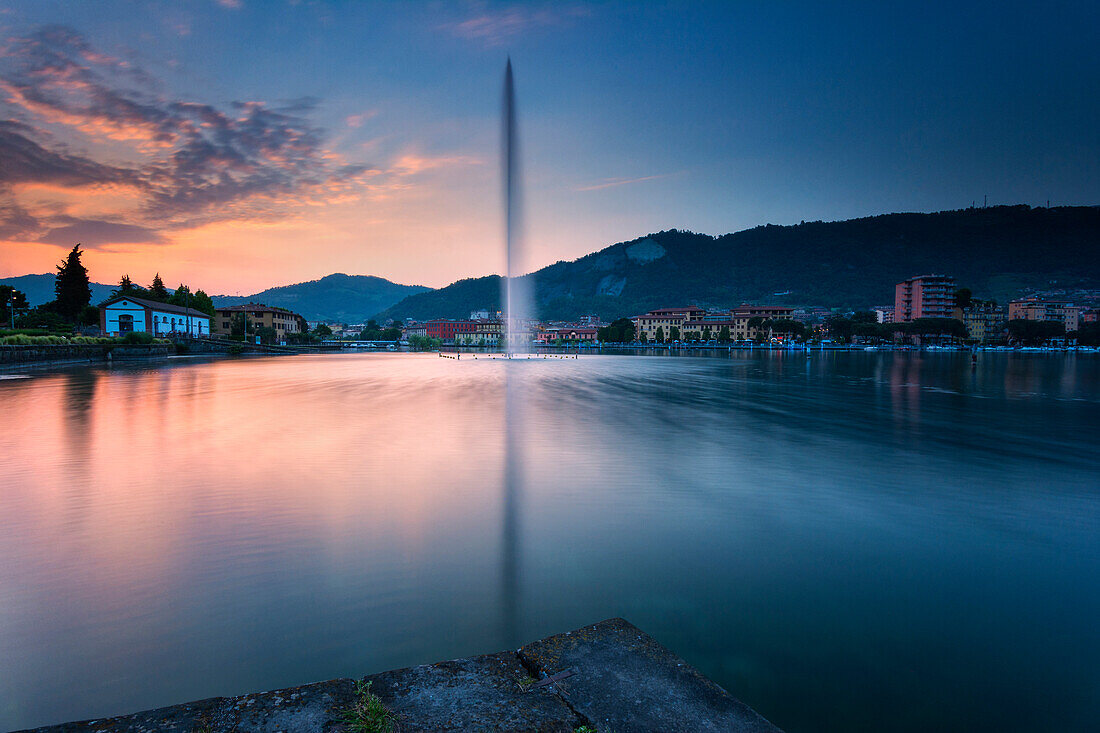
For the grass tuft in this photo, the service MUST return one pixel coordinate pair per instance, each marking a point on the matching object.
(368, 714)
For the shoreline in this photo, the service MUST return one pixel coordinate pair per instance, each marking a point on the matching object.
(589, 679)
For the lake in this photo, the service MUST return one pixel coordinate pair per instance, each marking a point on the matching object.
(847, 541)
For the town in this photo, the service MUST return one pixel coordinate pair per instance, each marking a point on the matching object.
(928, 310)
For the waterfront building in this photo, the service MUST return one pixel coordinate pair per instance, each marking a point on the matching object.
(924, 296)
(698, 330)
(445, 330)
(488, 330)
(983, 322)
(280, 320)
(577, 334)
(664, 319)
(124, 314)
(741, 316)
(482, 332)
(693, 322)
(1033, 309)
(883, 313)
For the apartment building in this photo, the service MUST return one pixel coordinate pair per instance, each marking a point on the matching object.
(258, 315)
(1033, 309)
(924, 296)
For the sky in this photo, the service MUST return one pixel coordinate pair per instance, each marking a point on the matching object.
(235, 145)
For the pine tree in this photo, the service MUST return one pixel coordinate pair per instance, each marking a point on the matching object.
(126, 286)
(72, 287)
(200, 301)
(157, 291)
(182, 296)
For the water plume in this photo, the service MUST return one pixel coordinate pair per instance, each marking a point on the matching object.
(515, 290)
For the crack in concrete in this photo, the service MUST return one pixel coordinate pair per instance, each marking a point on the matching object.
(534, 670)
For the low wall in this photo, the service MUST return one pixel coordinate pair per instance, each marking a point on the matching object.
(13, 354)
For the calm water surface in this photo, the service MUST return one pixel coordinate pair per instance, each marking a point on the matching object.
(847, 542)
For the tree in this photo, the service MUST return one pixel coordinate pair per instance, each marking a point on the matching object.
(157, 291)
(619, 332)
(240, 326)
(864, 317)
(724, 335)
(963, 298)
(642, 338)
(126, 286)
(1088, 334)
(322, 330)
(72, 287)
(1034, 333)
(660, 335)
(267, 334)
(181, 297)
(11, 300)
(202, 302)
(706, 333)
(674, 334)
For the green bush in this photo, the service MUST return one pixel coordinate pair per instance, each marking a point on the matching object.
(24, 340)
(138, 337)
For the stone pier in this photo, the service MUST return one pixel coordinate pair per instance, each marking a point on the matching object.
(610, 676)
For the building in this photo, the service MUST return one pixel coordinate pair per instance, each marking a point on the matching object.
(666, 319)
(883, 313)
(694, 323)
(742, 317)
(281, 320)
(707, 329)
(1033, 309)
(983, 322)
(488, 330)
(924, 296)
(576, 334)
(124, 314)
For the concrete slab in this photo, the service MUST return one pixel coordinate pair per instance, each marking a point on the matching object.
(623, 680)
(608, 677)
(483, 693)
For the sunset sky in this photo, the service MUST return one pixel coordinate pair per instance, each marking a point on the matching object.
(238, 144)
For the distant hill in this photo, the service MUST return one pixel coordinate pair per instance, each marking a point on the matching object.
(338, 297)
(994, 251)
(39, 288)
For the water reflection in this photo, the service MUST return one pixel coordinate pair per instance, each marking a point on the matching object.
(837, 538)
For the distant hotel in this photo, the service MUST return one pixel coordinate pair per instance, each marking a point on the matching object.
(926, 296)
(693, 323)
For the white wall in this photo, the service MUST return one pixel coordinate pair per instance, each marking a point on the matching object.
(165, 323)
(124, 307)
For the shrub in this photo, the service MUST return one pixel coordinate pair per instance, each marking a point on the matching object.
(138, 337)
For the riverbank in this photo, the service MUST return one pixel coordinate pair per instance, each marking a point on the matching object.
(18, 355)
(610, 676)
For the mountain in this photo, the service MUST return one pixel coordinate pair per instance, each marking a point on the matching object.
(39, 288)
(338, 297)
(994, 251)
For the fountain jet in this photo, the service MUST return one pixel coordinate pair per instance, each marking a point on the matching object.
(515, 295)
